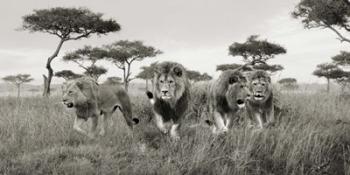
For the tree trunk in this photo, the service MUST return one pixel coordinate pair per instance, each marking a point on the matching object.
(125, 79)
(328, 85)
(127, 76)
(48, 78)
(147, 84)
(126, 85)
(18, 91)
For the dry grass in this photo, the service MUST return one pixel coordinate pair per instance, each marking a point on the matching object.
(313, 137)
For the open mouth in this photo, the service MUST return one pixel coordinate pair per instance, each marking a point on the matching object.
(164, 97)
(240, 106)
(69, 105)
(240, 103)
(258, 96)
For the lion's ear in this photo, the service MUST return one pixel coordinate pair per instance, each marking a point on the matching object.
(80, 85)
(178, 71)
(269, 79)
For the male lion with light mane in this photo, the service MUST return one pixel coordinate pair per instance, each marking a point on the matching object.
(91, 100)
(170, 102)
(227, 97)
(260, 105)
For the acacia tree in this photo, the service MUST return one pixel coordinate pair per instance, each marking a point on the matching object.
(90, 56)
(343, 60)
(329, 14)
(113, 80)
(257, 52)
(67, 74)
(67, 24)
(197, 76)
(328, 71)
(18, 80)
(123, 53)
(95, 71)
(288, 83)
(147, 73)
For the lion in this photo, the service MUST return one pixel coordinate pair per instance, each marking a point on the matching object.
(259, 106)
(171, 99)
(91, 100)
(227, 98)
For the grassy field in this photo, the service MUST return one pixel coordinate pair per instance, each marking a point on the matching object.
(312, 137)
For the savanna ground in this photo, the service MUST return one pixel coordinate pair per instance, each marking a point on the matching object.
(312, 137)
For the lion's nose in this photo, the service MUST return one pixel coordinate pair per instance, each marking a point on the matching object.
(240, 101)
(164, 91)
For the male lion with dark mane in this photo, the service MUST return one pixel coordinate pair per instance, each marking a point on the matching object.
(91, 100)
(227, 97)
(260, 105)
(170, 102)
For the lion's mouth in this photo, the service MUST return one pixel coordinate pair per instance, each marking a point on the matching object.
(259, 96)
(165, 97)
(69, 104)
(240, 106)
(240, 103)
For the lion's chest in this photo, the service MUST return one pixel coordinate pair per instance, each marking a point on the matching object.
(167, 111)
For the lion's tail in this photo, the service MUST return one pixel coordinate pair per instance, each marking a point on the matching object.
(150, 97)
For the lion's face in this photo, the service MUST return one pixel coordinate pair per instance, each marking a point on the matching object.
(237, 91)
(170, 81)
(76, 92)
(260, 86)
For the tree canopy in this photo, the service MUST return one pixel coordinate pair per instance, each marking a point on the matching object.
(67, 24)
(95, 71)
(85, 54)
(331, 14)
(329, 71)
(67, 74)
(223, 67)
(88, 55)
(287, 80)
(113, 80)
(197, 76)
(123, 53)
(256, 51)
(288, 83)
(147, 72)
(266, 67)
(18, 80)
(342, 59)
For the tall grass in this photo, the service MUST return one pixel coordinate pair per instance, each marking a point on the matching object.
(312, 137)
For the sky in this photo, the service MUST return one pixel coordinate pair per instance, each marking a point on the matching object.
(195, 33)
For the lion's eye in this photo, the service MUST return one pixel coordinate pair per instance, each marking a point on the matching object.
(70, 92)
(161, 81)
(171, 81)
(255, 84)
(263, 84)
(232, 80)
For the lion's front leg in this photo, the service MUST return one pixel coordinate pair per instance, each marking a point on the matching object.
(160, 124)
(105, 117)
(94, 122)
(174, 131)
(258, 118)
(77, 125)
(219, 123)
(270, 117)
